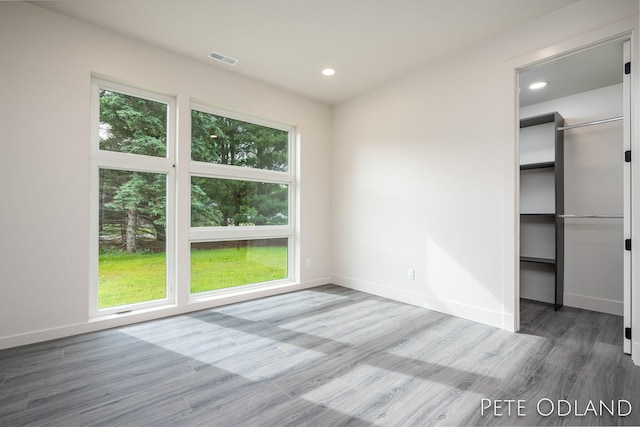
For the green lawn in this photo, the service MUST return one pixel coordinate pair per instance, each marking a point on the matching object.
(131, 278)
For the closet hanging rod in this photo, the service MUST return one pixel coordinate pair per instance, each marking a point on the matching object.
(595, 122)
(588, 216)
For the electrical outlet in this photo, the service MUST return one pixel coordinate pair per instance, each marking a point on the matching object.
(308, 262)
(411, 274)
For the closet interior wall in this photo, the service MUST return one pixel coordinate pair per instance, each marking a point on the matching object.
(593, 174)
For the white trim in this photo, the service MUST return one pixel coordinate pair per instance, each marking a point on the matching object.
(132, 90)
(183, 210)
(132, 162)
(595, 304)
(635, 201)
(293, 261)
(204, 108)
(94, 240)
(510, 214)
(113, 321)
(209, 234)
(214, 170)
(236, 290)
(621, 30)
(627, 196)
(472, 313)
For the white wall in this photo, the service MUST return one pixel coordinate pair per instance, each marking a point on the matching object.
(47, 61)
(424, 172)
(594, 158)
(421, 171)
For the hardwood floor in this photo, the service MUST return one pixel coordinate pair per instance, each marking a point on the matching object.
(327, 356)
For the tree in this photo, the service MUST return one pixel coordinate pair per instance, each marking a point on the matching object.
(221, 140)
(204, 212)
(133, 125)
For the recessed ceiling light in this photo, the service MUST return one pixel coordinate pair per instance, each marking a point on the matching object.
(538, 85)
(328, 72)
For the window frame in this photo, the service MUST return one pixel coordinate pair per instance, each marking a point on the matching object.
(179, 169)
(256, 232)
(104, 159)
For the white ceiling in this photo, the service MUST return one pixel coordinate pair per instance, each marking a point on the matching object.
(590, 69)
(286, 43)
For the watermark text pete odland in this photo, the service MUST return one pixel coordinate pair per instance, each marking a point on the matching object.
(554, 407)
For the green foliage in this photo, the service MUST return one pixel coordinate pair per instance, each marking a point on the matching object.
(221, 140)
(130, 194)
(140, 192)
(204, 132)
(130, 278)
(204, 212)
(139, 277)
(242, 202)
(132, 125)
(224, 268)
(217, 139)
(129, 124)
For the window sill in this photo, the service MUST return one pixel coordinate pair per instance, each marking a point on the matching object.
(240, 291)
(131, 313)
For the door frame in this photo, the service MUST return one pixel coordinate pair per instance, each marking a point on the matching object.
(628, 194)
(623, 30)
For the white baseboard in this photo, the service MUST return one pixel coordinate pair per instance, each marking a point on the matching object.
(538, 294)
(476, 314)
(594, 304)
(93, 325)
(635, 353)
(509, 322)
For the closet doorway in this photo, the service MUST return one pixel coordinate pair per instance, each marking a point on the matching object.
(575, 182)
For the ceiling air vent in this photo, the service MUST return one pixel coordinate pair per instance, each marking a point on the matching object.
(223, 58)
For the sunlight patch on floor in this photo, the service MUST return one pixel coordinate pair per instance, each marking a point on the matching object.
(248, 355)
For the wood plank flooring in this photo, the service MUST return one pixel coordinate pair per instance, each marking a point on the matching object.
(327, 356)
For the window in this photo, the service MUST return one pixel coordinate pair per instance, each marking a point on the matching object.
(132, 260)
(241, 202)
(132, 165)
(225, 264)
(225, 141)
(227, 202)
(238, 183)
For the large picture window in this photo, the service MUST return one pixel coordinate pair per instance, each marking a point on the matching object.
(132, 163)
(168, 230)
(241, 202)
